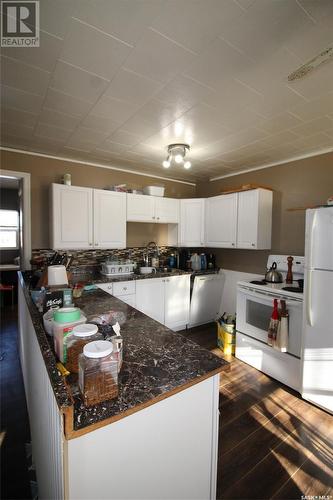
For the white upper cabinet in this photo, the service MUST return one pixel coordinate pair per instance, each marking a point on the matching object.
(192, 223)
(254, 225)
(144, 208)
(240, 220)
(140, 208)
(87, 218)
(109, 219)
(221, 221)
(71, 217)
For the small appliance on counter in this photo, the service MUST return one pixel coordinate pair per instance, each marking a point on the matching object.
(110, 268)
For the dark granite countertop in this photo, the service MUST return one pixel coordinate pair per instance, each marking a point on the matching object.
(157, 363)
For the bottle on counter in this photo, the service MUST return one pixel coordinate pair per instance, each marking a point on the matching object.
(203, 261)
(172, 260)
(98, 372)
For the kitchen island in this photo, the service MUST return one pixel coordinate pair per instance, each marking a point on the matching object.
(158, 439)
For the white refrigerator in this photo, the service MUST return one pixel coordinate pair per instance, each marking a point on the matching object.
(317, 342)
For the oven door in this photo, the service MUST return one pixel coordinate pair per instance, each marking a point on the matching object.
(254, 310)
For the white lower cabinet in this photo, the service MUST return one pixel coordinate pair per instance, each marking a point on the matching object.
(150, 298)
(123, 290)
(177, 302)
(166, 300)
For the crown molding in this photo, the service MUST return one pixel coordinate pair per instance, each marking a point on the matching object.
(93, 164)
(274, 164)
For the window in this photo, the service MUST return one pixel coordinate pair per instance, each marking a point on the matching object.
(9, 229)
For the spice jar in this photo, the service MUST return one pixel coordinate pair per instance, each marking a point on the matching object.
(98, 372)
(81, 335)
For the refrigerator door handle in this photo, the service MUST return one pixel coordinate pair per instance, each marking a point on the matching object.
(311, 243)
(309, 299)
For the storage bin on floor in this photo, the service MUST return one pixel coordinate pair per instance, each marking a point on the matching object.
(226, 333)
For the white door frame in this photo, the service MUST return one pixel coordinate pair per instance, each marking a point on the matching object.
(25, 177)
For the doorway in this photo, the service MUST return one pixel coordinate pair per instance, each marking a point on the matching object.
(15, 224)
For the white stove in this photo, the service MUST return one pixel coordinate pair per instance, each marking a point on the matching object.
(254, 308)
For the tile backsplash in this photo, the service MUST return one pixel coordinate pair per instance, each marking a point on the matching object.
(96, 257)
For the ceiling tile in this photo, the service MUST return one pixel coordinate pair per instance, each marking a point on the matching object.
(161, 114)
(158, 58)
(279, 123)
(313, 126)
(18, 99)
(278, 139)
(115, 109)
(112, 147)
(21, 76)
(125, 19)
(11, 141)
(312, 40)
(315, 108)
(53, 117)
(265, 27)
(55, 16)
(123, 137)
(65, 103)
(100, 123)
(184, 91)
(13, 129)
(51, 132)
(92, 50)
(195, 24)
(84, 135)
(318, 10)
(78, 83)
(44, 56)
(18, 117)
(132, 87)
(218, 63)
(45, 145)
(137, 124)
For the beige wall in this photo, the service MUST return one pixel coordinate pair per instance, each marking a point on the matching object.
(301, 183)
(44, 171)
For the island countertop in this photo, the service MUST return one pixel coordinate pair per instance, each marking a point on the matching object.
(157, 363)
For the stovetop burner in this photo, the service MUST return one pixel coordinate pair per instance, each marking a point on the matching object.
(256, 282)
(292, 289)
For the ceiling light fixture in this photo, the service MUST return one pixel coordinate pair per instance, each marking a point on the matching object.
(177, 153)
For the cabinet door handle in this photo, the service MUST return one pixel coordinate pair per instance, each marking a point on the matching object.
(232, 244)
(96, 244)
(158, 218)
(125, 288)
(90, 244)
(253, 244)
(153, 217)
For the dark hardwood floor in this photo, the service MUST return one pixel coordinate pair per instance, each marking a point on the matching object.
(272, 444)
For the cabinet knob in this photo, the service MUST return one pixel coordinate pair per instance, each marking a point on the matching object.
(90, 244)
(253, 244)
(158, 218)
(96, 244)
(233, 244)
(109, 287)
(153, 217)
(125, 288)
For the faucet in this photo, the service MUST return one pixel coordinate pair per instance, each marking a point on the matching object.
(153, 246)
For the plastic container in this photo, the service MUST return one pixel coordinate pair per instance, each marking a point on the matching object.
(48, 319)
(67, 314)
(81, 335)
(61, 333)
(154, 190)
(98, 373)
(195, 262)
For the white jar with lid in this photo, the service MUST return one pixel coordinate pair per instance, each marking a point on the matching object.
(98, 372)
(81, 335)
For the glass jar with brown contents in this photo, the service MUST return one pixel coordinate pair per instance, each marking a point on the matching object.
(80, 336)
(98, 372)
